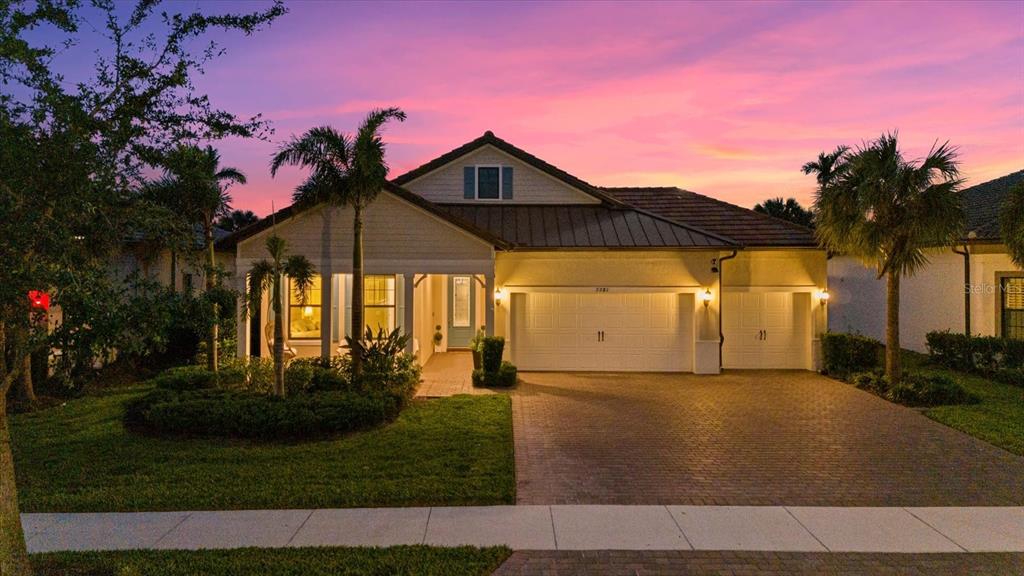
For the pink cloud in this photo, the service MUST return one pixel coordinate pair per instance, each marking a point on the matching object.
(727, 100)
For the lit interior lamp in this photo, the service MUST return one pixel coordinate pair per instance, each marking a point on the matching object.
(307, 311)
(823, 297)
(706, 297)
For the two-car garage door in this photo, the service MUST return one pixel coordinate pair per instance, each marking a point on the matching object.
(603, 331)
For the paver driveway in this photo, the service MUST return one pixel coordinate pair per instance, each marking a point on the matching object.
(743, 438)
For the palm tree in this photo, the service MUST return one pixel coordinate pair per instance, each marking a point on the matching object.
(1012, 223)
(195, 187)
(270, 275)
(237, 220)
(788, 209)
(873, 204)
(344, 171)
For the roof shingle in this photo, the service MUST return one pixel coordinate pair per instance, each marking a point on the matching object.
(744, 226)
(982, 204)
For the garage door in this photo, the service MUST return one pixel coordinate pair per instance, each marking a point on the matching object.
(603, 332)
(766, 330)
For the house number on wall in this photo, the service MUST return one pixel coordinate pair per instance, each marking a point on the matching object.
(600, 289)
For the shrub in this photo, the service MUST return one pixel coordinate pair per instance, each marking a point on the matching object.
(1012, 376)
(243, 414)
(378, 352)
(985, 355)
(505, 376)
(298, 375)
(871, 381)
(186, 378)
(492, 348)
(846, 354)
(929, 390)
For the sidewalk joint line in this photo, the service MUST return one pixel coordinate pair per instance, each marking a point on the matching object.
(936, 530)
(299, 529)
(806, 529)
(680, 528)
(173, 528)
(554, 535)
(426, 527)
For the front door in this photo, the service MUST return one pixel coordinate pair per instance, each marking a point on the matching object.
(461, 310)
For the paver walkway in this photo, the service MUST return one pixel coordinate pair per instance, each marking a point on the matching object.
(743, 438)
(782, 529)
(448, 374)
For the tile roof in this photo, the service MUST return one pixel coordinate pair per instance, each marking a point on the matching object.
(582, 226)
(744, 226)
(982, 204)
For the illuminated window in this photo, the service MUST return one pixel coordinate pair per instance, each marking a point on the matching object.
(379, 302)
(460, 301)
(1012, 290)
(304, 318)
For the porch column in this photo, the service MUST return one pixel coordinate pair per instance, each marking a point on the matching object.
(409, 313)
(489, 303)
(326, 318)
(242, 318)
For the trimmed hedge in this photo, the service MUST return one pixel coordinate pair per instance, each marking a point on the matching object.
(492, 347)
(322, 400)
(1012, 376)
(985, 355)
(915, 389)
(241, 414)
(198, 378)
(845, 354)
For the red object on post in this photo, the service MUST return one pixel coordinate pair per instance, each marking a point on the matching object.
(39, 300)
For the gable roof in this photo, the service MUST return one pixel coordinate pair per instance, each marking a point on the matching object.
(982, 204)
(490, 139)
(233, 239)
(742, 225)
(583, 226)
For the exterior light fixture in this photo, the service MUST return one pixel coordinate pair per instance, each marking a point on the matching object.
(823, 297)
(498, 294)
(705, 296)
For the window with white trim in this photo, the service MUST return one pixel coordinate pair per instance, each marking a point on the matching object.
(379, 302)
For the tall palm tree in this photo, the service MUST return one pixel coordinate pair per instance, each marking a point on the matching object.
(269, 275)
(1012, 223)
(874, 204)
(195, 186)
(344, 171)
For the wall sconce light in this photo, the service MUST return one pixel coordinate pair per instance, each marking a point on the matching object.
(823, 297)
(706, 297)
(498, 294)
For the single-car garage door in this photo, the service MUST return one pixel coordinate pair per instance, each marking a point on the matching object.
(766, 330)
(649, 332)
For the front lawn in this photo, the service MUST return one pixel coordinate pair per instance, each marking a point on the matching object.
(79, 458)
(998, 418)
(399, 560)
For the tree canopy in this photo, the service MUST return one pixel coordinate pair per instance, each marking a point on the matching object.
(788, 209)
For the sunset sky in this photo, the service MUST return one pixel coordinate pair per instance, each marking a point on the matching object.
(724, 99)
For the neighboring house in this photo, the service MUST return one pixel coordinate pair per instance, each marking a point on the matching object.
(574, 276)
(973, 288)
(143, 258)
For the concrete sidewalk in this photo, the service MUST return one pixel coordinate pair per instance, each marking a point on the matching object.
(573, 527)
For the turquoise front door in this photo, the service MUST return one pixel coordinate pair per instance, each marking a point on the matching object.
(461, 310)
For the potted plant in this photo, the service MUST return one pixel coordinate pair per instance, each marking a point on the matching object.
(476, 345)
(438, 337)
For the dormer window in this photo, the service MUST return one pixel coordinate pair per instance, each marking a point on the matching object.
(487, 182)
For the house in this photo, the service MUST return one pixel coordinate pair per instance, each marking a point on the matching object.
(972, 288)
(574, 276)
(139, 256)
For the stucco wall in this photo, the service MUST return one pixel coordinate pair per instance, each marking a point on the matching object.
(530, 186)
(933, 299)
